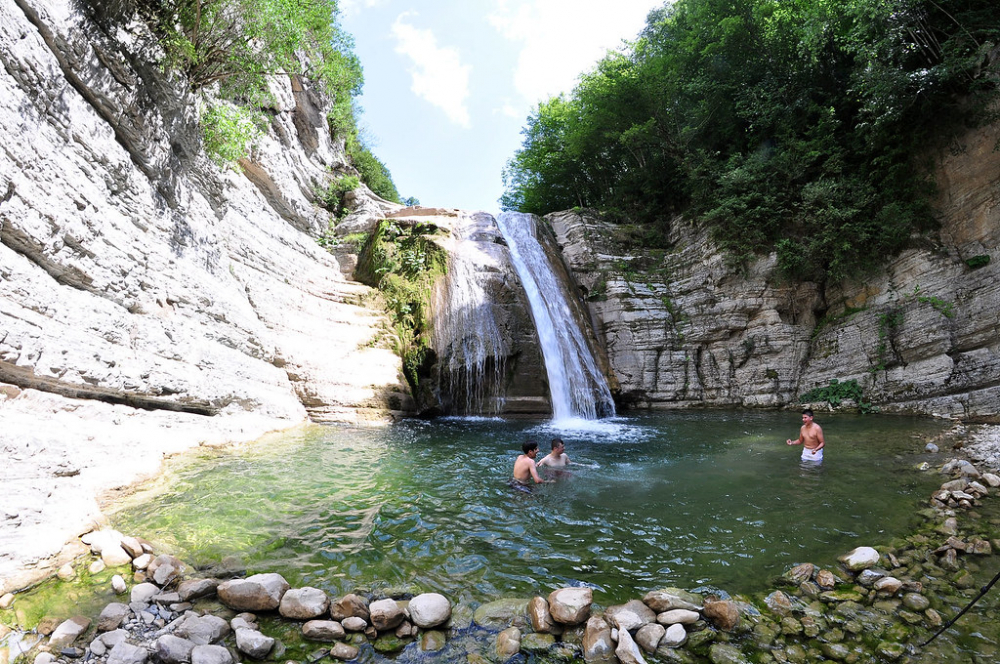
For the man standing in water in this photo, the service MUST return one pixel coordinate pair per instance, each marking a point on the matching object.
(810, 438)
(524, 467)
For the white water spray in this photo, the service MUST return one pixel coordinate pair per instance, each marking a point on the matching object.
(577, 385)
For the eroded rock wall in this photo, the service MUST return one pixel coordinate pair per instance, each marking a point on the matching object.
(683, 329)
(141, 284)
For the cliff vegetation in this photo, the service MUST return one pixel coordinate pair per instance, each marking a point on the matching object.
(799, 128)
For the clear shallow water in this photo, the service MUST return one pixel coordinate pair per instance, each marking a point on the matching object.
(680, 499)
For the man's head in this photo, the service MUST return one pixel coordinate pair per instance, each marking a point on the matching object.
(807, 416)
(529, 446)
(557, 445)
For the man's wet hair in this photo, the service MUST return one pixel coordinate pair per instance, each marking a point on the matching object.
(557, 442)
(808, 411)
(529, 445)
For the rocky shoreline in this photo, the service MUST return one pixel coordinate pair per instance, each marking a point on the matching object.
(876, 604)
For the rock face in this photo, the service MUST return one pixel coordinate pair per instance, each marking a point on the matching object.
(147, 294)
(682, 329)
(488, 358)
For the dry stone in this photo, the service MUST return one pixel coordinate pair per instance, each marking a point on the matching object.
(260, 592)
(112, 616)
(541, 618)
(348, 606)
(860, 558)
(172, 649)
(628, 651)
(304, 603)
(68, 631)
(678, 617)
(672, 598)
(648, 636)
(324, 630)
(429, 610)
(253, 644)
(570, 606)
(630, 616)
(598, 648)
(126, 653)
(385, 614)
(723, 613)
(211, 654)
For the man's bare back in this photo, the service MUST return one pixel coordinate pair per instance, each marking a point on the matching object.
(524, 466)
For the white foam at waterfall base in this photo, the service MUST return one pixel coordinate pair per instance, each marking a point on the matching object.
(577, 385)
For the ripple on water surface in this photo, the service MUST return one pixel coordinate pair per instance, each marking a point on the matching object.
(684, 499)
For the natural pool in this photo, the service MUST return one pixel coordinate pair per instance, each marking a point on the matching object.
(686, 499)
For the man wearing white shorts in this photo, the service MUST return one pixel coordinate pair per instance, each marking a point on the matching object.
(810, 438)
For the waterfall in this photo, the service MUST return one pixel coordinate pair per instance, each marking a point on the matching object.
(578, 387)
(467, 336)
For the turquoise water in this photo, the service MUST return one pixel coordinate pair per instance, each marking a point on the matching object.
(693, 499)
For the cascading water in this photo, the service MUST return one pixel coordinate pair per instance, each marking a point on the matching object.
(578, 387)
(467, 336)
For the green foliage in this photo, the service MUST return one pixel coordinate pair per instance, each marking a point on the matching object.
(793, 126)
(332, 198)
(977, 262)
(837, 392)
(403, 264)
(946, 308)
(230, 131)
(372, 171)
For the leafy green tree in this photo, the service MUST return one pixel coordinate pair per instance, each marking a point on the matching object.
(798, 127)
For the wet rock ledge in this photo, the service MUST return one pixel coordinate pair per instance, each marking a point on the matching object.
(875, 605)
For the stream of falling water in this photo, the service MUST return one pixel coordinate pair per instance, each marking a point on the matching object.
(577, 385)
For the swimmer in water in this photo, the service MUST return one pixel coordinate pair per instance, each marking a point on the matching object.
(557, 458)
(810, 438)
(525, 468)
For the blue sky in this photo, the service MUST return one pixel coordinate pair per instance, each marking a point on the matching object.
(450, 83)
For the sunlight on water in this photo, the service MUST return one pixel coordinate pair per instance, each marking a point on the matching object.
(678, 499)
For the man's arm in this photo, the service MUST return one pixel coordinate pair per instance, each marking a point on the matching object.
(801, 439)
(543, 462)
(819, 437)
(534, 474)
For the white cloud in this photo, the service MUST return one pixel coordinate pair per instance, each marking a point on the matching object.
(438, 73)
(351, 7)
(562, 39)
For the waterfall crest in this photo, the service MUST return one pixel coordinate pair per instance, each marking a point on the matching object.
(579, 389)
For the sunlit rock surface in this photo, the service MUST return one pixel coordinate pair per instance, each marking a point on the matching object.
(149, 300)
(683, 329)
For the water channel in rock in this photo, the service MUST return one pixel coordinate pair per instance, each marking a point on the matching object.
(686, 499)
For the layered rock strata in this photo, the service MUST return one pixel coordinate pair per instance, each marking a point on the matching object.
(683, 328)
(149, 299)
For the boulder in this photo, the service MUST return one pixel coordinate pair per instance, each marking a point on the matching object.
(196, 588)
(385, 614)
(68, 631)
(570, 606)
(672, 598)
(598, 648)
(348, 606)
(675, 636)
(723, 613)
(202, 630)
(678, 617)
(508, 643)
(630, 616)
(502, 613)
(860, 558)
(112, 616)
(354, 624)
(171, 649)
(165, 569)
(541, 618)
(144, 592)
(260, 592)
(126, 653)
(628, 651)
(253, 643)
(649, 635)
(208, 654)
(429, 610)
(343, 652)
(304, 603)
(323, 630)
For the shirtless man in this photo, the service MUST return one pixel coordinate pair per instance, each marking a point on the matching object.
(557, 457)
(524, 467)
(810, 438)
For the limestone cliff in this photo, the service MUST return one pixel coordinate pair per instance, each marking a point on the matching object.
(683, 329)
(150, 300)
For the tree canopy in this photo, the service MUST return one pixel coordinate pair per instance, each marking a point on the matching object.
(794, 126)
